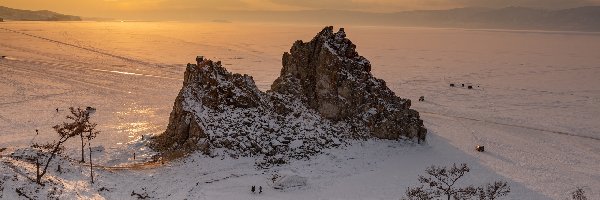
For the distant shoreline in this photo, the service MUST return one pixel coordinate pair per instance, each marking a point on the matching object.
(579, 19)
(506, 30)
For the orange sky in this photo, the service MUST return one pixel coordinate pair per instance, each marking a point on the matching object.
(166, 9)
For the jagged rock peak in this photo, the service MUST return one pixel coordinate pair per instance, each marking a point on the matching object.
(215, 87)
(331, 77)
(338, 44)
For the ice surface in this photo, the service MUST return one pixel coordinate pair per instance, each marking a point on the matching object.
(535, 106)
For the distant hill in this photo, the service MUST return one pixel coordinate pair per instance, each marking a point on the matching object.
(575, 19)
(40, 15)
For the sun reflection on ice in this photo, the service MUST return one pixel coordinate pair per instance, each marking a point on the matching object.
(133, 128)
(135, 122)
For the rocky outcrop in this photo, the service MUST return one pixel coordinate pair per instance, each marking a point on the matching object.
(325, 95)
(329, 76)
(207, 86)
(220, 113)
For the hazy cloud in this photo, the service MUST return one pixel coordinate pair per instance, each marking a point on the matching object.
(400, 5)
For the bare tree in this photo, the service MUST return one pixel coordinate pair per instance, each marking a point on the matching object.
(65, 131)
(440, 183)
(493, 190)
(419, 193)
(81, 118)
(92, 133)
(77, 125)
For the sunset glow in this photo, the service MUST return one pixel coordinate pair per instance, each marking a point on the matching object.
(182, 9)
(300, 99)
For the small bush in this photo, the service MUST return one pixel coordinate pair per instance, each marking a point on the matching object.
(441, 183)
(578, 194)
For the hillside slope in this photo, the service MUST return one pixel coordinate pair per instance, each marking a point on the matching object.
(40, 15)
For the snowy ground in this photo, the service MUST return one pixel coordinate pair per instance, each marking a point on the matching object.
(535, 107)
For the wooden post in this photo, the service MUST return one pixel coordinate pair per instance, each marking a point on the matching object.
(37, 166)
(91, 164)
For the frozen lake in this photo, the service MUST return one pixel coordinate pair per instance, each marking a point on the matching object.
(535, 102)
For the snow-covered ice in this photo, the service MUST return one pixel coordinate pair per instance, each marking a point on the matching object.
(535, 106)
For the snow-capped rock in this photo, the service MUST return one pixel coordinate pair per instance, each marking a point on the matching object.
(329, 76)
(324, 96)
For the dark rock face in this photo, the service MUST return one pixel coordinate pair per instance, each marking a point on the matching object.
(214, 86)
(324, 96)
(329, 76)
